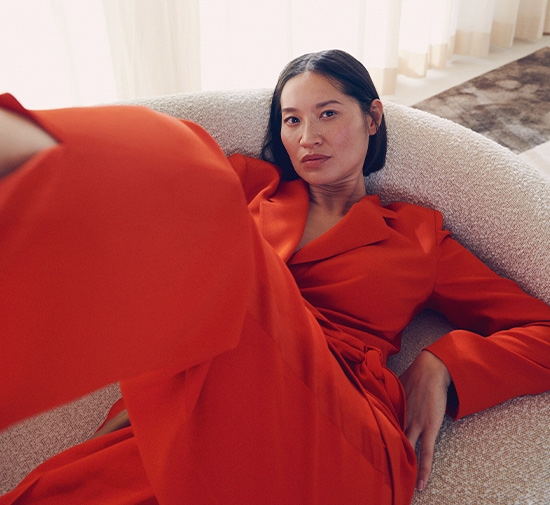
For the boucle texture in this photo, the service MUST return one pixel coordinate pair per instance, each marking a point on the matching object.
(492, 202)
(25, 445)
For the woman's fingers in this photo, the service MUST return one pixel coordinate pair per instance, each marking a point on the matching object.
(427, 436)
(425, 461)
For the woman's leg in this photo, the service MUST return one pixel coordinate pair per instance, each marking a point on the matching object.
(125, 248)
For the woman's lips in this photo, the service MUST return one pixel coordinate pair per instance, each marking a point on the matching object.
(314, 160)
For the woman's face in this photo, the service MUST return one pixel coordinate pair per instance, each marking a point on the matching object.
(324, 131)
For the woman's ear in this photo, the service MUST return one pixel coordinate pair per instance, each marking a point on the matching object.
(375, 116)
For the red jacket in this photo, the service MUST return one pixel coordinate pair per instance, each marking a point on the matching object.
(380, 266)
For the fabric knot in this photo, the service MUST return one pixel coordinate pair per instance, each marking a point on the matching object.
(373, 361)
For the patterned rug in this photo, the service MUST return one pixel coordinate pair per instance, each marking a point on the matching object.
(510, 105)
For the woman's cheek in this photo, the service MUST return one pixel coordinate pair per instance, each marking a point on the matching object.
(289, 143)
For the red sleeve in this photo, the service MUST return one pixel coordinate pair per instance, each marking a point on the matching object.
(503, 347)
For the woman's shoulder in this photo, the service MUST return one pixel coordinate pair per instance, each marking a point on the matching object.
(414, 211)
(255, 175)
(411, 218)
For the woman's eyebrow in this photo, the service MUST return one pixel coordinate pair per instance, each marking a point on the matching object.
(328, 102)
(317, 106)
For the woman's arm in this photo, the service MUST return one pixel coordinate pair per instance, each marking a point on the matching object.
(502, 351)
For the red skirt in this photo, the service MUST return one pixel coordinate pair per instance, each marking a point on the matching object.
(127, 253)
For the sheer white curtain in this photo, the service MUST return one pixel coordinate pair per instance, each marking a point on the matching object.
(154, 46)
(55, 53)
(79, 52)
(244, 43)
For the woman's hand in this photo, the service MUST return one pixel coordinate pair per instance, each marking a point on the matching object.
(426, 383)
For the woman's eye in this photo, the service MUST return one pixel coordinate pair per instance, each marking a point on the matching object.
(291, 120)
(328, 113)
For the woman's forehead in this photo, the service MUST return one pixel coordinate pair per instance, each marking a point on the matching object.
(311, 89)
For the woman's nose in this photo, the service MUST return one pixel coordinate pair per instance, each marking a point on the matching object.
(310, 135)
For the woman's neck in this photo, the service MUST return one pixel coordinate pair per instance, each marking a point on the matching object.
(336, 199)
(327, 206)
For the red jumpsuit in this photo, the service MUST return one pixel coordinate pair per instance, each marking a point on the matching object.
(128, 252)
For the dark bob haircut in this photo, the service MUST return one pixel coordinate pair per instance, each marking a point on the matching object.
(352, 79)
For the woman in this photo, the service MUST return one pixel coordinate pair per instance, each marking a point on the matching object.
(249, 328)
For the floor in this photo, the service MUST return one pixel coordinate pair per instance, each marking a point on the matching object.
(461, 69)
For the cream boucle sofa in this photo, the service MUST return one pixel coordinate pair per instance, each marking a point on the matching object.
(492, 202)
